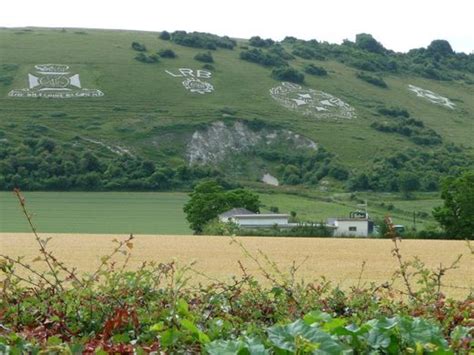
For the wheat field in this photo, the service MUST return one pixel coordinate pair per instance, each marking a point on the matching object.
(339, 260)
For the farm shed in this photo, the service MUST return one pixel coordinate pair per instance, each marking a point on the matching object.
(351, 227)
(247, 219)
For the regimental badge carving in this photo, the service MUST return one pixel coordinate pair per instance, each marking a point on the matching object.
(54, 81)
(193, 80)
(432, 96)
(311, 102)
(198, 86)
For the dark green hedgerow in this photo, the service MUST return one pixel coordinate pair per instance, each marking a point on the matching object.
(156, 309)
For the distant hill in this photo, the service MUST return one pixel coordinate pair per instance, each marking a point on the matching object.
(112, 110)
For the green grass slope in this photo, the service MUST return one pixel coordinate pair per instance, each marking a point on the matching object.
(149, 112)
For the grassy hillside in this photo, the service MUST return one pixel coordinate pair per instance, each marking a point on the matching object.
(148, 113)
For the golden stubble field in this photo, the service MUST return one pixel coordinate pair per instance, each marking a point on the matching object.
(339, 259)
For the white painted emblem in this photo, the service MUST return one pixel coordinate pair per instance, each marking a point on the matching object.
(311, 102)
(54, 81)
(432, 96)
(193, 80)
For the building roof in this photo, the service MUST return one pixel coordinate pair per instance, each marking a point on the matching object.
(261, 215)
(236, 211)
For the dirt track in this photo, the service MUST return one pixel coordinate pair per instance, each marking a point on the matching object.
(338, 259)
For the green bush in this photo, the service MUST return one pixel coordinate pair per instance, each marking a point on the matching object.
(142, 57)
(374, 80)
(167, 53)
(394, 112)
(288, 74)
(258, 56)
(204, 57)
(256, 41)
(202, 40)
(165, 35)
(138, 47)
(315, 70)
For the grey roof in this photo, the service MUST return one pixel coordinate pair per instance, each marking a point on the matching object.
(261, 215)
(235, 211)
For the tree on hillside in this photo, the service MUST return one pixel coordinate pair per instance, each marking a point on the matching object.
(209, 199)
(367, 42)
(457, 214)
(407, 183)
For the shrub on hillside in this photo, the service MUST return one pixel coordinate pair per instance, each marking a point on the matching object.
(258, 56)
(394, 112)
(142, 57)
(315, 70)
(374, 80)
(257, 41)
(204, 57)
(202, 40)
(165, 35)
(167, 53)
(367, 42)
(288, 74)
(138, 47)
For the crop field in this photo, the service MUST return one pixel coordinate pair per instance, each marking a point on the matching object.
(339, 260)
(162, 213)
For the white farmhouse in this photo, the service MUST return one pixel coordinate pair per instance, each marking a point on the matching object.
(351, 227)
(248, 219)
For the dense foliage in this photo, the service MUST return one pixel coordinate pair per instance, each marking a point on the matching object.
(202, 40)
(438, 61)
(429, 166)
(209, 199)
(44, 164)
(457, 214)
(400, 122)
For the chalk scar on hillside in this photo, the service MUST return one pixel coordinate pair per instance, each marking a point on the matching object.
(218, 141)
(54, 81)
(432, 96)
(310, 102)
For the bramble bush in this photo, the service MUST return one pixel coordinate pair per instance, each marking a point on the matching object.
(156, 308)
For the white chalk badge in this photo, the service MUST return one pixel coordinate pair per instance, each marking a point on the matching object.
(54, 81)
(195, 80)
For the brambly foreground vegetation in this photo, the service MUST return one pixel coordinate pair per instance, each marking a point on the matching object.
(155, 308)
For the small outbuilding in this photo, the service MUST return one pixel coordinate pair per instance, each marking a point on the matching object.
(248, 219)
(351, 227)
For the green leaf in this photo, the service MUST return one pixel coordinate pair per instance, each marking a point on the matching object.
(157, 327)
(297, 335)
(182, 307)
(225, 347)
(54, 340)
(169, 337)
(317, 317)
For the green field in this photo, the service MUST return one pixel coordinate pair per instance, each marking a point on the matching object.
(162, 213)
(96, 212)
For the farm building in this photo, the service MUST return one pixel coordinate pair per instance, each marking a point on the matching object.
(248, 219)
(351, 227)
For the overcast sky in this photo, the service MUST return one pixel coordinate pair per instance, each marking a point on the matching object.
(399, 24)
